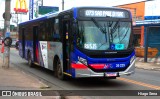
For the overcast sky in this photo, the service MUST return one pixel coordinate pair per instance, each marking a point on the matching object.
(68, 4)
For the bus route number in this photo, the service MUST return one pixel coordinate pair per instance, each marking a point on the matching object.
(120, 65)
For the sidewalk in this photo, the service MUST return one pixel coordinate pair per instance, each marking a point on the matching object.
(151, 64)
(15, 79)
(149, 60)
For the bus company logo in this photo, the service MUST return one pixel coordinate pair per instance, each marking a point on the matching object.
(106, 66)
(6, 93)
(111, 60)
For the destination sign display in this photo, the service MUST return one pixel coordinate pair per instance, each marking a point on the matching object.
(104, 13)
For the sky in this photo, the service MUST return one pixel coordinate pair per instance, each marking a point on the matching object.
(67, 4)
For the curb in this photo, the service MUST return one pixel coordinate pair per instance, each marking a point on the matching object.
(72, 97)
(155, 60)
(152, 69)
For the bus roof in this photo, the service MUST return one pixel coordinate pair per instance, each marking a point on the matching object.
(46, 16)
(51, 14)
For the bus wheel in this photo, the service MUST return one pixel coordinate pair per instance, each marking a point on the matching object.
(59, 71)
(55, 68)
(30, 60)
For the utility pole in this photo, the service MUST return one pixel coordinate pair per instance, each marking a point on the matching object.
(146, 45)
(42, 2)
(7, 16)
(17, 27)
(62, 4)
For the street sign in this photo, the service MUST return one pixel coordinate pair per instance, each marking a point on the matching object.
(46, 9)
(21, 6)
(4, 15)
(31, 4)
(7, 34)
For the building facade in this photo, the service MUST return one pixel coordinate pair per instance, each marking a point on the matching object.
(146, 20)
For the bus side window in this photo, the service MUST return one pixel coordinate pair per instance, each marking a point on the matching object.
(43, 34)
(50, 29)
(56, 34)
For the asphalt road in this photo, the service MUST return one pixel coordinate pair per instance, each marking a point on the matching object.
(141, 80)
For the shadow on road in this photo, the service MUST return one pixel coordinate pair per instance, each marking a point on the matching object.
(85, 83)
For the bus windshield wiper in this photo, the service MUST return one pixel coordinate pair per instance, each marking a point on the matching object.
(124, 35)
(103, 30)
(98, 25)
(115, 27)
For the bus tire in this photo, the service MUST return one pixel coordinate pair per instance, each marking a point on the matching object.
(55, 68)
(29, 60)
(59, 71)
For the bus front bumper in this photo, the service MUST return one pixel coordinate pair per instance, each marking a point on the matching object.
(81, 73)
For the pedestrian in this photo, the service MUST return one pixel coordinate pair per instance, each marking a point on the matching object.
(17, 45)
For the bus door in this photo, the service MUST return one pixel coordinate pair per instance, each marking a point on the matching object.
(35, 43)
(23, 42)
(66, 43)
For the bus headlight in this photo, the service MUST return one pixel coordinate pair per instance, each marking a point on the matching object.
(132, 59)
(82, 60)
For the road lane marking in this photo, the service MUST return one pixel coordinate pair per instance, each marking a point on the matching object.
(140, 83)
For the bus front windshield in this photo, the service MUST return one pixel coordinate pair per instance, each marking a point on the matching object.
(103, 35)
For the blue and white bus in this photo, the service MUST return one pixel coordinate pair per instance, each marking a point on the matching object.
(80, 42)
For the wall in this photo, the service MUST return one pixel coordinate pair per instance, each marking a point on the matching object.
(152, 12)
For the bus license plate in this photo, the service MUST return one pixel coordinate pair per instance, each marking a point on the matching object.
(111, 74)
